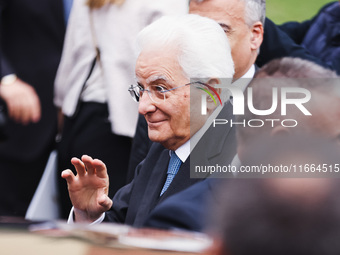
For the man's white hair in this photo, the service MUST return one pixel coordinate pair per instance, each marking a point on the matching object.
(255, 10)
(203, 48)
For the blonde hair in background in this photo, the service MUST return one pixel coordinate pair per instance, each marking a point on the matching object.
(99, 3)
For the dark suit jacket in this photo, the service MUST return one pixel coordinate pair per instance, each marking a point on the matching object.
(133, 203)
(184, 210)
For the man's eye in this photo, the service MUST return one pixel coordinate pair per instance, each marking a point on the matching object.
(225, 28)
(159, 88)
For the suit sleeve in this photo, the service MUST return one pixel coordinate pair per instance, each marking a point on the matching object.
(120, 205)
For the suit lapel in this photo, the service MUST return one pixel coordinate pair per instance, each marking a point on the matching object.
(217, 146)
(219, 134)
(154, 183)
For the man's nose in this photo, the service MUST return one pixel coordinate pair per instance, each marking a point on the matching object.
(146, 105)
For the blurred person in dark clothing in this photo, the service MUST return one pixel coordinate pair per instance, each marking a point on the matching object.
(295, 216)
(319, 35)
(32, 34)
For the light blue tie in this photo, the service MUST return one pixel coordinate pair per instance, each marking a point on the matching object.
(173, 167)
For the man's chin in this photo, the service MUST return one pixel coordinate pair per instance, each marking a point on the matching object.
(155, 136)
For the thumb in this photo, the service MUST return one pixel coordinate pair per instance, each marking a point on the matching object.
(105, 202)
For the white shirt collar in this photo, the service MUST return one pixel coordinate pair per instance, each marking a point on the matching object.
(250, 73)
(183, 151)
(245, 79)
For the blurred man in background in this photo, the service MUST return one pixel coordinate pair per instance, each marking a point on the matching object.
(280, 216)
(32, 35)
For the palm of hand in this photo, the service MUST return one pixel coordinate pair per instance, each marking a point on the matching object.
(88, 190)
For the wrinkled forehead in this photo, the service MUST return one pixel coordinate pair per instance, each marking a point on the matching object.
(219, 9)
(158, 64)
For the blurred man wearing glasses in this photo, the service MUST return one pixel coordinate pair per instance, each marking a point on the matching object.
(172, 50)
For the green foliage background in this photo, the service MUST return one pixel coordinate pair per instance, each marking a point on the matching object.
(293, 10)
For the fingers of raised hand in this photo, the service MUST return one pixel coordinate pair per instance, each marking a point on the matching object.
(79, 166)
(88, 162)
(94, 166)
(100, 168)
(90, 166)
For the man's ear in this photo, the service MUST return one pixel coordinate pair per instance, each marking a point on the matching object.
(212, 82)
(256, 35)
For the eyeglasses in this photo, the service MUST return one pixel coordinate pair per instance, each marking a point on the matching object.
(157, 93)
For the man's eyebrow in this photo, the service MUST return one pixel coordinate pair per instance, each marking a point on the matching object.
(225, 26)
(156, 79)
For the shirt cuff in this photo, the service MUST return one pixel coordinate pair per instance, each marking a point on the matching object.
(8, 79)
(71, 218)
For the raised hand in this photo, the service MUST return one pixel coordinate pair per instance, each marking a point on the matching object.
(88, 190)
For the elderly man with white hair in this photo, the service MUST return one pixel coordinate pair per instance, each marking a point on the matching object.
(172, 51)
